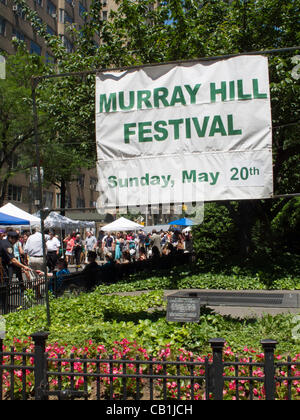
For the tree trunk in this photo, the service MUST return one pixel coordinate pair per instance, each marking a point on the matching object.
(3, 191)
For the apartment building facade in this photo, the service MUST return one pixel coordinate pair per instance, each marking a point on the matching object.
(56, 15)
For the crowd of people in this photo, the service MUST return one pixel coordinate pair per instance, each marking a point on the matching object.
(22, 252)
(21, 255)
(130, 246)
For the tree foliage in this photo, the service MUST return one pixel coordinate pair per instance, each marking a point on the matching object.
(16, 125)
(145, 31)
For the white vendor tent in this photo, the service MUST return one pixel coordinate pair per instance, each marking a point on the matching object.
(56, 220)
(121, 224)
(15, 211)
(158, 228)
(86, 224)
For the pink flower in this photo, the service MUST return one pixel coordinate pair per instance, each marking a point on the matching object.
(232, 385)
(79, 382)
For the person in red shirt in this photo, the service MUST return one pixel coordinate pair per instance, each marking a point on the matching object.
(69, 241)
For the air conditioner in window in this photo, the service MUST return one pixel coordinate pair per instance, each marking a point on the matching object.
(73, 4)
(53, 15)
(15, 8)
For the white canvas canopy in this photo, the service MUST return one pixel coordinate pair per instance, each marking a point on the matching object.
(56, 220)
(158, 228)
(87, 224)
(121, 224)
(12, 210)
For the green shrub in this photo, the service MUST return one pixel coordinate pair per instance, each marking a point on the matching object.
(215, 239)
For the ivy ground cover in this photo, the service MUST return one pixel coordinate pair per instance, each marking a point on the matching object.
(100, 322)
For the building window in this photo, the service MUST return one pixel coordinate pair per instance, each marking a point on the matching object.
(51, 8)
(82, 11)
(35, 48)
(80, 203)
(68, 19)
(49, 59)
(39, 2)
(64, 17)
(80, 180)
(2, 26)
(68, 202)
(14, 193)
(48, 198)
(14, 161)
(93, 203)
(50, 31)
(61, 15)
(17, 34)
(93, 183)
(104, 15)
(68, 44)
(3, 2)
(18, 11)
(58, 200)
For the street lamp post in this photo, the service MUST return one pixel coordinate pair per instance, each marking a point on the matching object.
(34, 83)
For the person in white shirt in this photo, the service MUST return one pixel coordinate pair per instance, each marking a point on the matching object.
(34, 250)
(90, 244)
(52, 246)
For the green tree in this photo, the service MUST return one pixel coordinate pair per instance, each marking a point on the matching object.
(215, 240)
(143, 32)
(16, 125)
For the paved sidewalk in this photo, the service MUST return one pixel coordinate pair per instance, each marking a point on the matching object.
(225, 310)
(233, 311)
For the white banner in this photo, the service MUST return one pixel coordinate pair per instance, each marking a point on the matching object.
(185, 132)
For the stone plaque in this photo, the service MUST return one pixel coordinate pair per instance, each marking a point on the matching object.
(183, 309)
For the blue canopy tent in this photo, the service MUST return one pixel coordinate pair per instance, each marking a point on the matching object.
(6, 220)
(182, 222)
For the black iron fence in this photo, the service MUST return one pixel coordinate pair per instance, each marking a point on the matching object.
(16, 295)
(35, 374)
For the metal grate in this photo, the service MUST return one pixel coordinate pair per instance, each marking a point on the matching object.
(244, 298)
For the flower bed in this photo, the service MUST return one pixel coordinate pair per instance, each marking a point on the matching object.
(86, 359)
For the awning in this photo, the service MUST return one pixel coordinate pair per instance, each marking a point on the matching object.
(122, 224)
(6, 220)
(14, 211)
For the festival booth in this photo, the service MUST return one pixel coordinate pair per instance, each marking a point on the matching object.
(86, 224)
(56, 220)
(121, 224)
(14, 211)
(6, 220)
(158, 228)
(182, 223)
